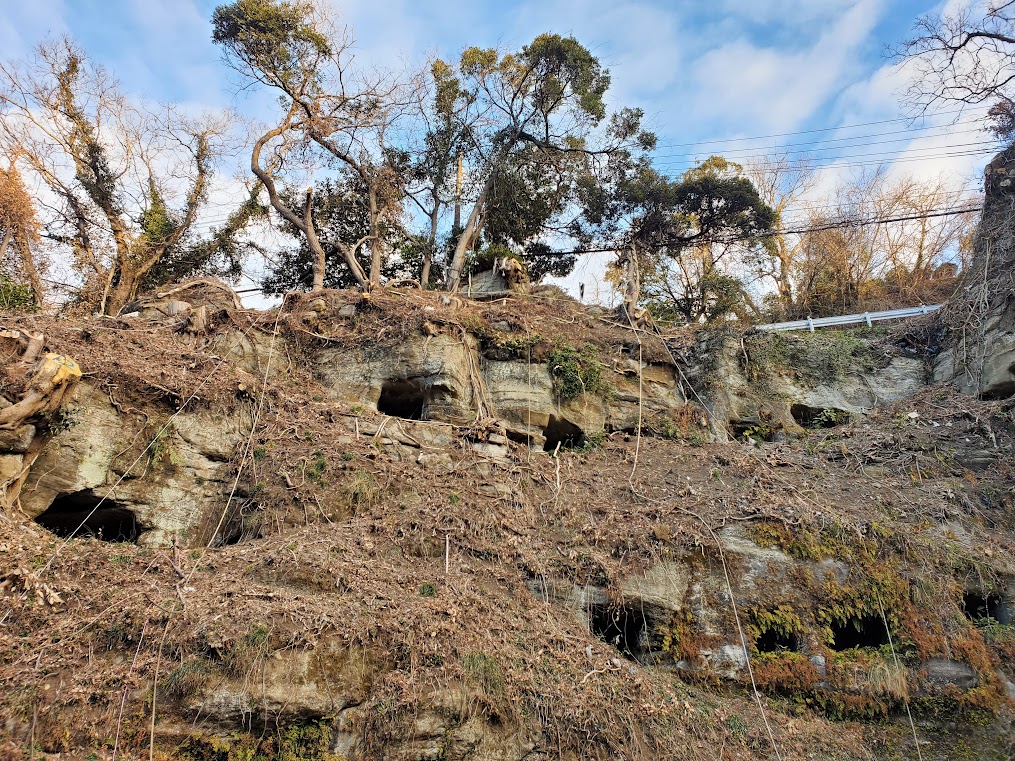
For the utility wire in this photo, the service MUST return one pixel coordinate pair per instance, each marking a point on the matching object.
(809, 131)
(856, 138)
(883, 155)
(772, 233)
(769, 234)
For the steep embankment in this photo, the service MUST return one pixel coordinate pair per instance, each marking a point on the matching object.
(276, 568)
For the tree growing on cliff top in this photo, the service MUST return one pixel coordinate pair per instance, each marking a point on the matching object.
(330, 115)
(539, 128)
(676, 236)
(125, 181)
(340, 211)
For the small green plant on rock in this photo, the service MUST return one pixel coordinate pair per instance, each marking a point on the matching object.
(576, 371)
(58, 421)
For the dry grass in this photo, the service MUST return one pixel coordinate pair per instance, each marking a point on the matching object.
(350, 548)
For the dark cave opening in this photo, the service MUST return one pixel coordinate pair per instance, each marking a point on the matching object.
(818, 417)
(84, 514)
(620, 626)
(410, 398)
(563, 433)
(746, 429)
(772, 641)
(867, 631)
(999, 392)
(980, 605)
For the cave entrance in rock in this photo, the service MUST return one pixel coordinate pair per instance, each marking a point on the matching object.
(621, 626)
(84, 514)
(818, 417)
(774, 641)
(746, 429)
(865, 631)
(980, 605)
(410, 398)
(562, 433)
(999, 392)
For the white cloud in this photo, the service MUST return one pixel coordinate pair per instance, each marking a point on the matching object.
(772, 89)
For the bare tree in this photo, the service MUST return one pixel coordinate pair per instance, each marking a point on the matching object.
(854, 261)
(125, 182)
(331, 113)
(781, 182)
(963, 57)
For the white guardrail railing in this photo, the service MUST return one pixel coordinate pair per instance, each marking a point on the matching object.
(867, 318)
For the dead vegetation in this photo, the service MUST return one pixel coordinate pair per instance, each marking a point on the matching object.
(329, 540)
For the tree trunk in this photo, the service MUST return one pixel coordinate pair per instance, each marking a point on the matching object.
(431, 248)
(119, 295)
(30, 271)
(468, 237)
(632, 283)
(315, 245)
(375, 240)
(459, 182)
(783, 282)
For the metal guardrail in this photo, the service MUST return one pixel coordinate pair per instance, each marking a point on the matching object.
(867, 318)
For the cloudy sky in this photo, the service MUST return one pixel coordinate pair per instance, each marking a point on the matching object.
(736, 77)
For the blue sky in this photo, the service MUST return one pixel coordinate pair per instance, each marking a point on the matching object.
(703, 71)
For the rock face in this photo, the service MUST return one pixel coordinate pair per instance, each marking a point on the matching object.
(990, 372)
(641, 616)
(445, 378)
(784, 402)
(91, 473)
(424, 383)
(980, 317)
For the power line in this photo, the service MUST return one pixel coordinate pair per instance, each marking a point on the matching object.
(807, 131)
(871, 162)
(769, 234)
(774, 233)
(947, 131)
(987, 146)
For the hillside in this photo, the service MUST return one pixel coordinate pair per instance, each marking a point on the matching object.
(414, 526)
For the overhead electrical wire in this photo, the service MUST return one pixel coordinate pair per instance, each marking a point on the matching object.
(811, 131)
(945, 131)
(978, 147)
(782, 231)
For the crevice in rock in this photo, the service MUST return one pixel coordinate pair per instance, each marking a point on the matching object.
(868, 631)
(818, 417)
(519, 437)
(563, 433)
(108, 520)
(621, 626)
(999, 392)
(411, 398)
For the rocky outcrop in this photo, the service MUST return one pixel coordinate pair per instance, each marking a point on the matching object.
(448, 406)
(979, 355)
(748, 394)
(93, 472)
(648, 617)
(445, 378)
